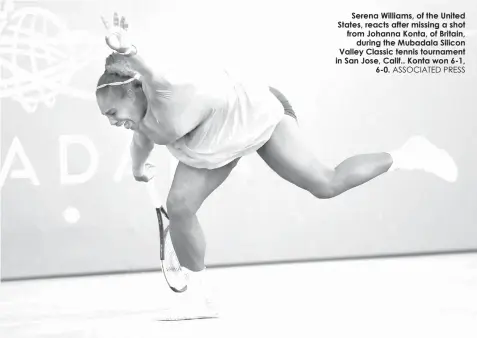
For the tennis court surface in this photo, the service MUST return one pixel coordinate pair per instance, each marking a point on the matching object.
(426, 296)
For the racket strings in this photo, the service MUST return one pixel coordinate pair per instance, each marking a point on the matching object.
(170, 257)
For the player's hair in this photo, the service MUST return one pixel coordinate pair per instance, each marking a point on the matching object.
(117, 70)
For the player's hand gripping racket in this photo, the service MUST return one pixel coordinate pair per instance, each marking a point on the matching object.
(171, 268)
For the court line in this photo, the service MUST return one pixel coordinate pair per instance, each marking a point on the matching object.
(258, 263)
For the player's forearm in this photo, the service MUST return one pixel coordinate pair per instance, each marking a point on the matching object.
(152, 75)
(141, 66)
(140, 151)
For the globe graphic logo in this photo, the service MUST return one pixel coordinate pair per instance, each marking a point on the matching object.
(38, 57)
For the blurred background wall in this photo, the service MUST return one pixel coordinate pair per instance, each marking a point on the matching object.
(69, 204)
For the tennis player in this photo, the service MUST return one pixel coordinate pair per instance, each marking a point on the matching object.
(210, 118)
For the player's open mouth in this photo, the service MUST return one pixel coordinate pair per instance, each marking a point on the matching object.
(127, 124)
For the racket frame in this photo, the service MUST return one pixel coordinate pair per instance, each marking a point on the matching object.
(162, 236)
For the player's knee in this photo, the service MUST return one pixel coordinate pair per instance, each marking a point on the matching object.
(179, 205)
(328, 189)
(324, 193)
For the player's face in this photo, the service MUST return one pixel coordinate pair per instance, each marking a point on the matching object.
(123, 111)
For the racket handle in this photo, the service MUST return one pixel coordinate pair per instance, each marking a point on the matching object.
(154, 195)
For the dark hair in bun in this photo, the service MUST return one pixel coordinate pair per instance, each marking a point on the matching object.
(117, 69)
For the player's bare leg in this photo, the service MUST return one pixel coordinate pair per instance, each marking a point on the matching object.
(190, 188)
(290, 157)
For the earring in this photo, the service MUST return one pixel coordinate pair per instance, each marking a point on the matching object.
(130, 93)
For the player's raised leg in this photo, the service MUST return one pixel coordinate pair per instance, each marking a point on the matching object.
(294, 160)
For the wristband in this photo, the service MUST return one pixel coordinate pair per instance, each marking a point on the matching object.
(131, 51)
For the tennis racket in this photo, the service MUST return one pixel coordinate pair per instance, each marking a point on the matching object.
(171, 268)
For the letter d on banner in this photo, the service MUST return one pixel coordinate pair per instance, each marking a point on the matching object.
(65, 142)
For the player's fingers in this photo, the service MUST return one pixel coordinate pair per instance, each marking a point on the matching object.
(116, 19)
(123, 22)
(150, 177)
(105, 22)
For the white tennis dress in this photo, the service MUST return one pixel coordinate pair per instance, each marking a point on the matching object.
(240, 126)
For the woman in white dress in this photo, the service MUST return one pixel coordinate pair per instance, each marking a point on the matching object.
(208, 119)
